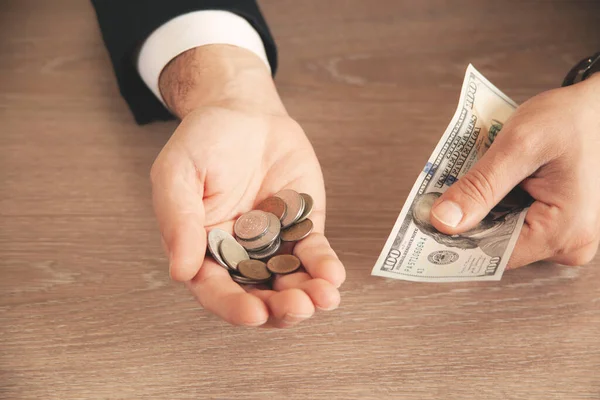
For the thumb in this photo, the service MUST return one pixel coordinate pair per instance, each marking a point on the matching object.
(180, 213)
(470, 199)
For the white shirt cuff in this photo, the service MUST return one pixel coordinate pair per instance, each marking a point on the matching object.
(198, 28)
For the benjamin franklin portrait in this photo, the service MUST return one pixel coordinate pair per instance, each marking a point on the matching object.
(491, 234)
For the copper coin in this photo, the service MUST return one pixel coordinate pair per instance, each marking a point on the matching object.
(267, 251)
(283, 264)
(295, 205)
(273, 205)
(251, 225)
(297, 232)
(254, 269)
(267, 238)
(232, 252)
(308, 206)
(286, 248)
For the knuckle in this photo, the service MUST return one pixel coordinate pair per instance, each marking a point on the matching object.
(525, 141)
(579, 246)
(545, 228)
(585, 235)
(477, 186)
(581, 234)
(523, 136)
(526, 138)
(581, 257)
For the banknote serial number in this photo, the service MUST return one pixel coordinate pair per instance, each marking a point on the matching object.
(412, 260)
(394, 257)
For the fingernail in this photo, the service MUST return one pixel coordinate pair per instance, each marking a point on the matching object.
(327, 309)
(448, 212)
(294, 318)
(255, 323)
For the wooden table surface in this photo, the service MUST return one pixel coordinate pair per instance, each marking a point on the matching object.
(86, 307)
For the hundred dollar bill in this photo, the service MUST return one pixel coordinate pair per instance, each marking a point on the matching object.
(415, 250)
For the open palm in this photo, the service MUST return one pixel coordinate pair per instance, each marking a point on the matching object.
(218, 164)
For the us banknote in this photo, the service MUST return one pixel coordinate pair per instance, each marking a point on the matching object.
(415, 250)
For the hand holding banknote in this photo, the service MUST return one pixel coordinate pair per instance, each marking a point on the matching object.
(549, 147)
(502, 174)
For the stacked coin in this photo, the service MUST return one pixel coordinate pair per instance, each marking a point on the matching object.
(252, 256)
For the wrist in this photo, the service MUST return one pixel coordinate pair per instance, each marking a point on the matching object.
(587, 99)
(592, 90)
(594, 80)
(219, 76)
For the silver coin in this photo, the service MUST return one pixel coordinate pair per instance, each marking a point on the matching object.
(308, 207)
(251, 225)
(295, 206)
(242, 280)
(269, 237)
(232, 252)
(267, 251)
(215, 237)
(258, 249)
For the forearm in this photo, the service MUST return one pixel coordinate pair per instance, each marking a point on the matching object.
(219, 75)
(127, 25)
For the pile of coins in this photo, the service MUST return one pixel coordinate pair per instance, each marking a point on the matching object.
(253, 255)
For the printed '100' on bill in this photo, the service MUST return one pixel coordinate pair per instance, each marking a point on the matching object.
(415, 250)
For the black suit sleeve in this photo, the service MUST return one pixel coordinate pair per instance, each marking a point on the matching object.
(125, 24)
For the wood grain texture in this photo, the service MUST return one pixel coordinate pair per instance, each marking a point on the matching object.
(86, 307)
